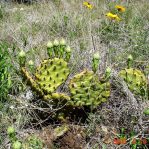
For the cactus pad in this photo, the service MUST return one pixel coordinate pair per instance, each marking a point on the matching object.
(135, 80)
(51, 74)
(87, 90)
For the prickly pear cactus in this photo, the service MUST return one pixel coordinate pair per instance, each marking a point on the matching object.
(87, 90)
(51, 73)
(134, 78)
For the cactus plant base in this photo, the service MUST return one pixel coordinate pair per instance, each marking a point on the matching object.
(72, 114)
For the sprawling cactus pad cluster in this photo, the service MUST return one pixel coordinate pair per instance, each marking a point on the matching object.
(86, 89)
(134, 78)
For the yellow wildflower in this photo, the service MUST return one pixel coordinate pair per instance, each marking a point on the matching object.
(88, 5)
(120, 8)
(113, 16)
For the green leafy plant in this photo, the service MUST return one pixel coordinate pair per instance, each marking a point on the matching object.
(5, 73)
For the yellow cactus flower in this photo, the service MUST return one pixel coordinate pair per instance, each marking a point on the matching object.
(120, 8)
(113, 16)
(88, 5)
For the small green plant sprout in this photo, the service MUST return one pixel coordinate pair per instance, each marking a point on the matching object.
(146, 111)
(95, 62)
(22, 58)
(134, 78)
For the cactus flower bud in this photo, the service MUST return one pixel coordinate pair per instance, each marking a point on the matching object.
(50, 48)
(96, 56)
(68, 49)
(10, 130)
(17, 145)
(95, 62)
(130, 57)
(62, 47)
(68, 53)
(129, 61)
(22, 54)
(50, 44)
(56, 42)
(62, 42)
(22, 58)
(31, 63)
(56, 47)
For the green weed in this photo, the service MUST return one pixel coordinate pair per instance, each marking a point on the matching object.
(5, 71)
